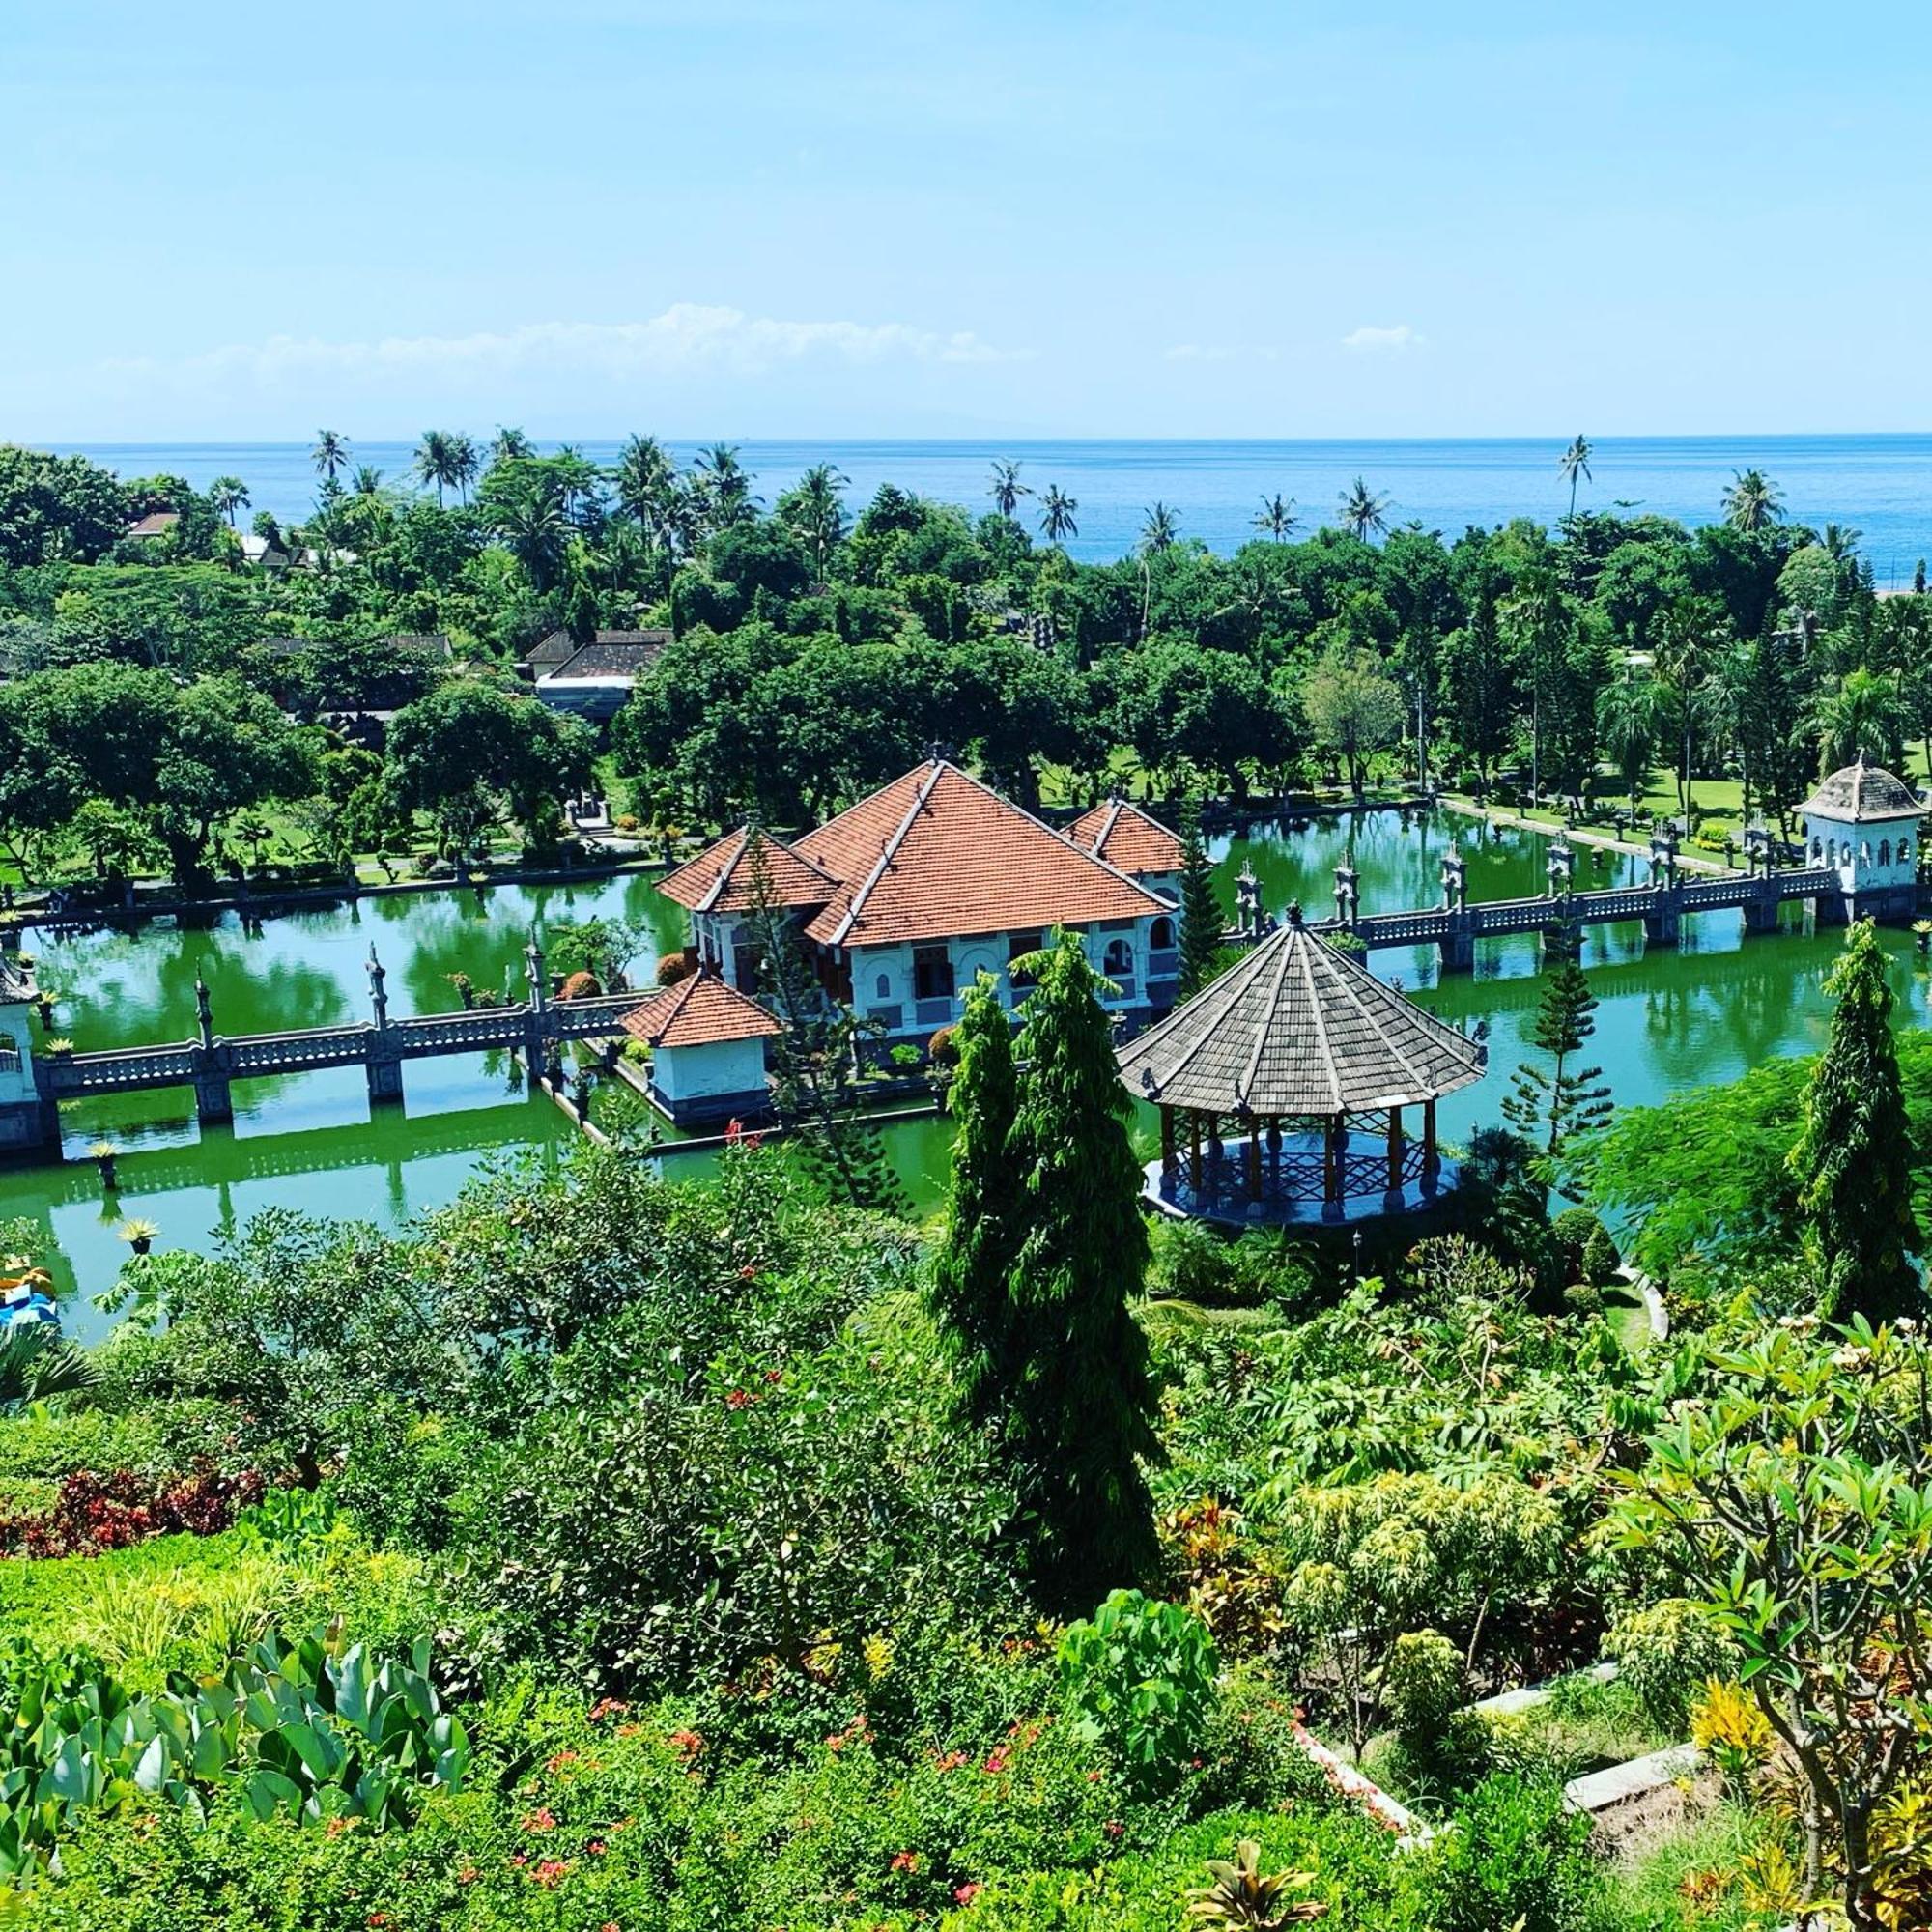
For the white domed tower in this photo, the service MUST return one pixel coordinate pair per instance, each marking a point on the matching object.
(1863, 824)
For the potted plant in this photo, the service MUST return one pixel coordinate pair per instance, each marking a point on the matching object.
(104, 1154)
(43, 1005)
(139, 1234)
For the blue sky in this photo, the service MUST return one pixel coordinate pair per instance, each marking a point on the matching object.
(753, 217)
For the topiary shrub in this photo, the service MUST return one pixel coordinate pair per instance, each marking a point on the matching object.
(676, 966)
(1667, 1653)
(943, 1048)
(1571, 1233)
(1601, 1260)
(1583, 1299)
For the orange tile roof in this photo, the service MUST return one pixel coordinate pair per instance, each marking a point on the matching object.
(1126, 838)
(936, 854)
(699, 1010)
(719, 878)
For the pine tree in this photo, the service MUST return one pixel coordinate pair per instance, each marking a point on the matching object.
(1547, 1107)
(1200, 920)
(969, 1299)
(814, 1061)
(1852, 1160)
(1076, 1415)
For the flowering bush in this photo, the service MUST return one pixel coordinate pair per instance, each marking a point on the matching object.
(94, 1512)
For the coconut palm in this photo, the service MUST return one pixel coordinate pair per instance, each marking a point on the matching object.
(510, 445)
(1364, 513)
(331, 453)
(1688, 632)
(1008, 488)
(1861, 719)
(724, 485)
(1632, 713)
(816, 513)
(227, 495)
(469, 464)
(1574, 464)
(438, 460)
(644, 479)
(1277, 518)
(368, 480)
(1159, 528)
(1056, 513)
(1753, 501)
(531, 519)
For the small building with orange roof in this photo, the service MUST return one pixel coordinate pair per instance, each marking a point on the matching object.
(707, 1044)
(900, 900)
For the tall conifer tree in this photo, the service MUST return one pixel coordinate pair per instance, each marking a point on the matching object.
(1546, 1106)
(1200, 920)
(1077, 1413)
(1852, 1160)
(983, 1225)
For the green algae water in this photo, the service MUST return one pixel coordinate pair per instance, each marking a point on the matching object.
(1698, 1013)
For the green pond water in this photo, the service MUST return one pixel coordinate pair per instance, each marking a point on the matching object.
(1698, 1013)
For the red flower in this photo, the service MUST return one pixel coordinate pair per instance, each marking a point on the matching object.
(379, 1919)
(952, 1761)
(748, 1272)
(1113, 1827)
(906, 1861)
(605, 1706)
(562, 1758)
(996, 1762)
(687, 1742)
(967, 1892)
(468, 1875)
(595, 1848)
(544, 1820)
(740, 1398)
(550, 1873)
(1093, 1777)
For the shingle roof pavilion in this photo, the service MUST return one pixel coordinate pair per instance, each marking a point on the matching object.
(1298, 1029)
(1860, 792)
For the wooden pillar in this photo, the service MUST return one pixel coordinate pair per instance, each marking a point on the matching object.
(1431, 1155)
(1214, 1156)
(1395, 1150)
(1254, 1160)
(1331, 1166)
(1168, 1158)
(1194, 1151)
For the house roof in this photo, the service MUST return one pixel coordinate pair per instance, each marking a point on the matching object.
(1298, 1027)
(1127, 837)
(699, 1010)
(936, 854)
(155, 524)
(719, 878)
(1860, 792)
(609, 654)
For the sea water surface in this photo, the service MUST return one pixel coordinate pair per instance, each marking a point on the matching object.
(1880, 485)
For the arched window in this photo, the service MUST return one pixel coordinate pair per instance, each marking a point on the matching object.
(1884, 851)
(1160, 935)
(1864, 851)
(1118, 963)
(1905, 851)
(1830, 851)
(1817, 849)
(885, 986)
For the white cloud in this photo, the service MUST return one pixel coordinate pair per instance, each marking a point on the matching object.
(687, 337)
(1370, 340)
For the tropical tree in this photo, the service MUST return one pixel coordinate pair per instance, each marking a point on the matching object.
(38, 1363)
(723, 486)
(330, 454)
(1549, 1105)
(368, 480)
(1687, 637)
(1753, 501)
(1574, 464)
(509, 445)
(1076, 1416)
(983, 1225)
(1008, 488)
(645, 477)
(1353, 707)
(440, 461)
(226, 495)
(1632, 713)
(1854, 1157)
(1864, 717)
(1276, 516)
(1364, 513)
(1056, 515)
(1159, 528)
(815, 511)
(1201, 919)
(524, 503)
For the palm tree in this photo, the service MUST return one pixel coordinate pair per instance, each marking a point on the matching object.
(1364, 513)
(37, 1363)
(1683, 652)
(1575, 463)
(1632, 712)
(438, 460)
(1277, 518)
(1056, 515)
(1158, 531)
(815, 510)
(725, 484)
(510, 445)
(468, 462)
(1861, 719)
(1752, 501)
(227, 495)
(331, 453)
(368, 480)
(531, 519)
(1008, 488)
(644, 477)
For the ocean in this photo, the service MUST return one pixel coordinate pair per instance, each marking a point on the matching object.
(1879, 485)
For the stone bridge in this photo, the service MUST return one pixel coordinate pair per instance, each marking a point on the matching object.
(210, 1064)
(1455, 926)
